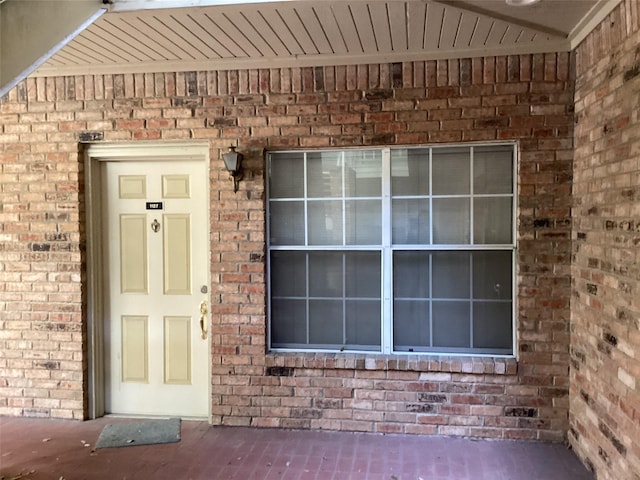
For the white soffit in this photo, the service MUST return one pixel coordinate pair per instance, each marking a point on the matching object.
(145, 36)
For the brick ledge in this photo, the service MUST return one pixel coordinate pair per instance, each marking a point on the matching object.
(415, 363)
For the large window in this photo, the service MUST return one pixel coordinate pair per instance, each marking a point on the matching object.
(392, 250)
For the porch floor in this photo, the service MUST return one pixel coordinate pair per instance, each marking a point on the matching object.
(38, 449)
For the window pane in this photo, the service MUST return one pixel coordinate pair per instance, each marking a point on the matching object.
(288, 322)
(325, 222)
(363, 173)
(411, 275)
(493, 169)
(286, 175)
(410, 172)
(324, 174)
(492, 275)
(451, 324)
(410, 222)
(492, 327)
(287, 223)
(363, 275)
(288, 274)
(451, 171)
(325, 323)
(364, 222)
(410, 324)
(451, 221)
(325, 274)
(492, 220)
(451, 275)
(363, 324)
(456, 299)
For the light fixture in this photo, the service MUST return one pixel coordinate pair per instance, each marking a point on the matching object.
(520, 3)
(233, 163)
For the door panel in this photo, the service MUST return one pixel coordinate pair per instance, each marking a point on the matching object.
(156, 220)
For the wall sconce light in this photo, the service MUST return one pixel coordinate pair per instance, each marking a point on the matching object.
(233, 163)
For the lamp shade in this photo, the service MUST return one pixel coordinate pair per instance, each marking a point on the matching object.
(232, 160)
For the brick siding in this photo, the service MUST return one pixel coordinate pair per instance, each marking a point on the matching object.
(605, 320)
(527, 98)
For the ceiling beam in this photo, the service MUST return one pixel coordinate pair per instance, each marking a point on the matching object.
(461, 4)
(32, 31)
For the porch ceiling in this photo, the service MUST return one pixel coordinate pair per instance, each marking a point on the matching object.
(137, 36)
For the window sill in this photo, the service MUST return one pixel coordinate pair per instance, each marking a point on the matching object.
(413, 363)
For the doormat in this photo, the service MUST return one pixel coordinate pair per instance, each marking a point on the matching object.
(148, 432)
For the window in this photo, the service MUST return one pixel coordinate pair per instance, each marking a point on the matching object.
(392, 250)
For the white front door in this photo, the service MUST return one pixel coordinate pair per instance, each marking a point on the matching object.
(156, 302)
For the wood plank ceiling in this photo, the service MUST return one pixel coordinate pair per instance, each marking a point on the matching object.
(315, 33)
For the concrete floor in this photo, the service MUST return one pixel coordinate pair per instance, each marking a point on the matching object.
(39, 449)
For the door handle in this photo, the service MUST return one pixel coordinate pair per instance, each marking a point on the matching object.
(203, 315)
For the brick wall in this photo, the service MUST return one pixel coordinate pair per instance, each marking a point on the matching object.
(528, 98)
(605, 320)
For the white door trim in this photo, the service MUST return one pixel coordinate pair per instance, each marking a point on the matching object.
(93, 155)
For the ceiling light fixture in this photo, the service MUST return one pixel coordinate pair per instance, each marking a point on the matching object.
(520, 3)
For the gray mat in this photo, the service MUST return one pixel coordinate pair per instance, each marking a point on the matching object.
(147, 432)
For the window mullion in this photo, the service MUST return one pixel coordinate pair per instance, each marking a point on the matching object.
(307, 301)
(344, 299)
(305, 200)
(430, 196)
(387, 255)
(471, 294)
(471, 199)
(343, 198)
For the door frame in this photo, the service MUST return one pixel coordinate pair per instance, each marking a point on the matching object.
(94, 155)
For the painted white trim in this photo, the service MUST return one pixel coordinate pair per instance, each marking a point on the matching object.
(130, 5)
(325, 60)
(94, 155)
(591, 20)
(144, 150)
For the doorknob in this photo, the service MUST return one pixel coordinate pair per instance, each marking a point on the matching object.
(203, 315)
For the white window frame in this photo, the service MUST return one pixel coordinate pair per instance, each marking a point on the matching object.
(387, 248)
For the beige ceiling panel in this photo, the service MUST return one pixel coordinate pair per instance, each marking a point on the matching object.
(314, 33)
(236, 25)
(433, 26)
(268, 35)
(293, 23)
(121, 36)
(327, 19)
(466, 27)
(512, 35)
(314, 29)
(380, 23)
(274, 19)
(346, 23)
(154, 39)
(86, 51)
(219, 29)
(193, 21)
(122, 52)
(398, 25)
(180, 24)
(496, 33)
(416, 15)
(450, 24)
(362, 19)
(168, 34)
